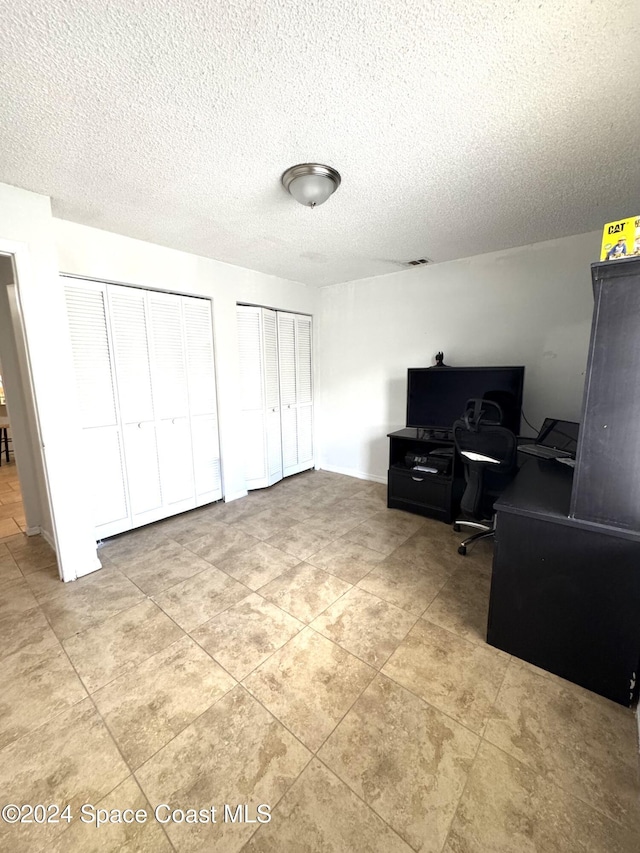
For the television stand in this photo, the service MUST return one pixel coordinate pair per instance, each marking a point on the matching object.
(434, 434)
(433, 494)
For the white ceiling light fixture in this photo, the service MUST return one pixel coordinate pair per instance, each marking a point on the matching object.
(311, 183)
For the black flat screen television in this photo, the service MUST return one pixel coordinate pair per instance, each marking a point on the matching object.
(436, 396)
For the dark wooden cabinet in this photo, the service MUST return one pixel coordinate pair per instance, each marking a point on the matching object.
(606, 486)
(434, 495)
(565, 594)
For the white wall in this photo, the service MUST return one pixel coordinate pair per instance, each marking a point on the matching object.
(26, 233)
(100, 254)
(531, 305)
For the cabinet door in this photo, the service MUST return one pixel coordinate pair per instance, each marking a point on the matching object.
(198, 337)
(102, 440)
(128, 311)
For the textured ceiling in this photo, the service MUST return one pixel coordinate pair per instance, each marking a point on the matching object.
(459, 127)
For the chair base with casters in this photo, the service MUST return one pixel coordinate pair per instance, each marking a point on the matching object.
(486, 531)
(488, 451)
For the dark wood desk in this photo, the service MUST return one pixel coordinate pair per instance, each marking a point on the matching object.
(565, 593)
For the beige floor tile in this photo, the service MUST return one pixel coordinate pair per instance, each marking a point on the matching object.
(199, 598)
(409, 588)
(363, 504)
(264, 524)
(148, 705)
(365, 625)
(31, 557)
(8, 527)
(235, 753)
(154, 574)
(406, 760)
(16, 597)
(258, 565)
(10, 510)
(134, 837)
(299, 541)
(71, 760)
(462, 605)
(309, 685)
(246, 634)
(457, 677)
(89, 600)
(346, 560)
(9, 570)
(304, 591)
(507, 808)
(46, 583)
(223, 541)
(320, 813)
(331, 523)
(431, 552)
(20, 542)
(27, 631)
(385, 531)
(580, 741)
(35, 689)
(105, 651)
(127, 547)
(185, 528)
(233, 511)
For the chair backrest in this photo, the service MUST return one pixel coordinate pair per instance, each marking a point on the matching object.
(489, 454)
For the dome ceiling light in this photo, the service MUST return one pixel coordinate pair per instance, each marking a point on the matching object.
(311, 183)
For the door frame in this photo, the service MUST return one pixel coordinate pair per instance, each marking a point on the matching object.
(18, 254)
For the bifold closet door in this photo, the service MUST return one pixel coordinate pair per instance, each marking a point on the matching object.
(145, 371)
(276, 393)
(259, 390)
(132, 357)
(101, 433)
(201, 388)
(296, 392)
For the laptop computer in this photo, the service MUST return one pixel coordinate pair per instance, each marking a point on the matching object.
(556, 440)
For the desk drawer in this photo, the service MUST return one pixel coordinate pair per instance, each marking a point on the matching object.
(416, 491)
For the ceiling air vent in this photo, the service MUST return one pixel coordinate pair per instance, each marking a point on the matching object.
(417, 263)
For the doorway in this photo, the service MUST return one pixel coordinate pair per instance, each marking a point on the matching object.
(24, 503)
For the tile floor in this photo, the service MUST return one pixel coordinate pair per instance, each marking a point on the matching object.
(12, 519)
(307, 649)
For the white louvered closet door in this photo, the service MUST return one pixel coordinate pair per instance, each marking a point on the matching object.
(171, 400)
(201, 386)
(102, 440)
(304, 392)
(296, 392)
(288, 398)
(252, 395)
(128, 312)
(272, 397)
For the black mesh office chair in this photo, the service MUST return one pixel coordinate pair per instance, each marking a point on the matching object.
(489, 454)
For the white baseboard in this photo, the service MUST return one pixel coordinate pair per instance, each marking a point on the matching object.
(349, 472)
(35, 531)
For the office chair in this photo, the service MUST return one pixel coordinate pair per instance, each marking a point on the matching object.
(489, 454)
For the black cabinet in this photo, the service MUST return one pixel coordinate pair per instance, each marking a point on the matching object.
(433, 494)
(606, 486)
(565, 594)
